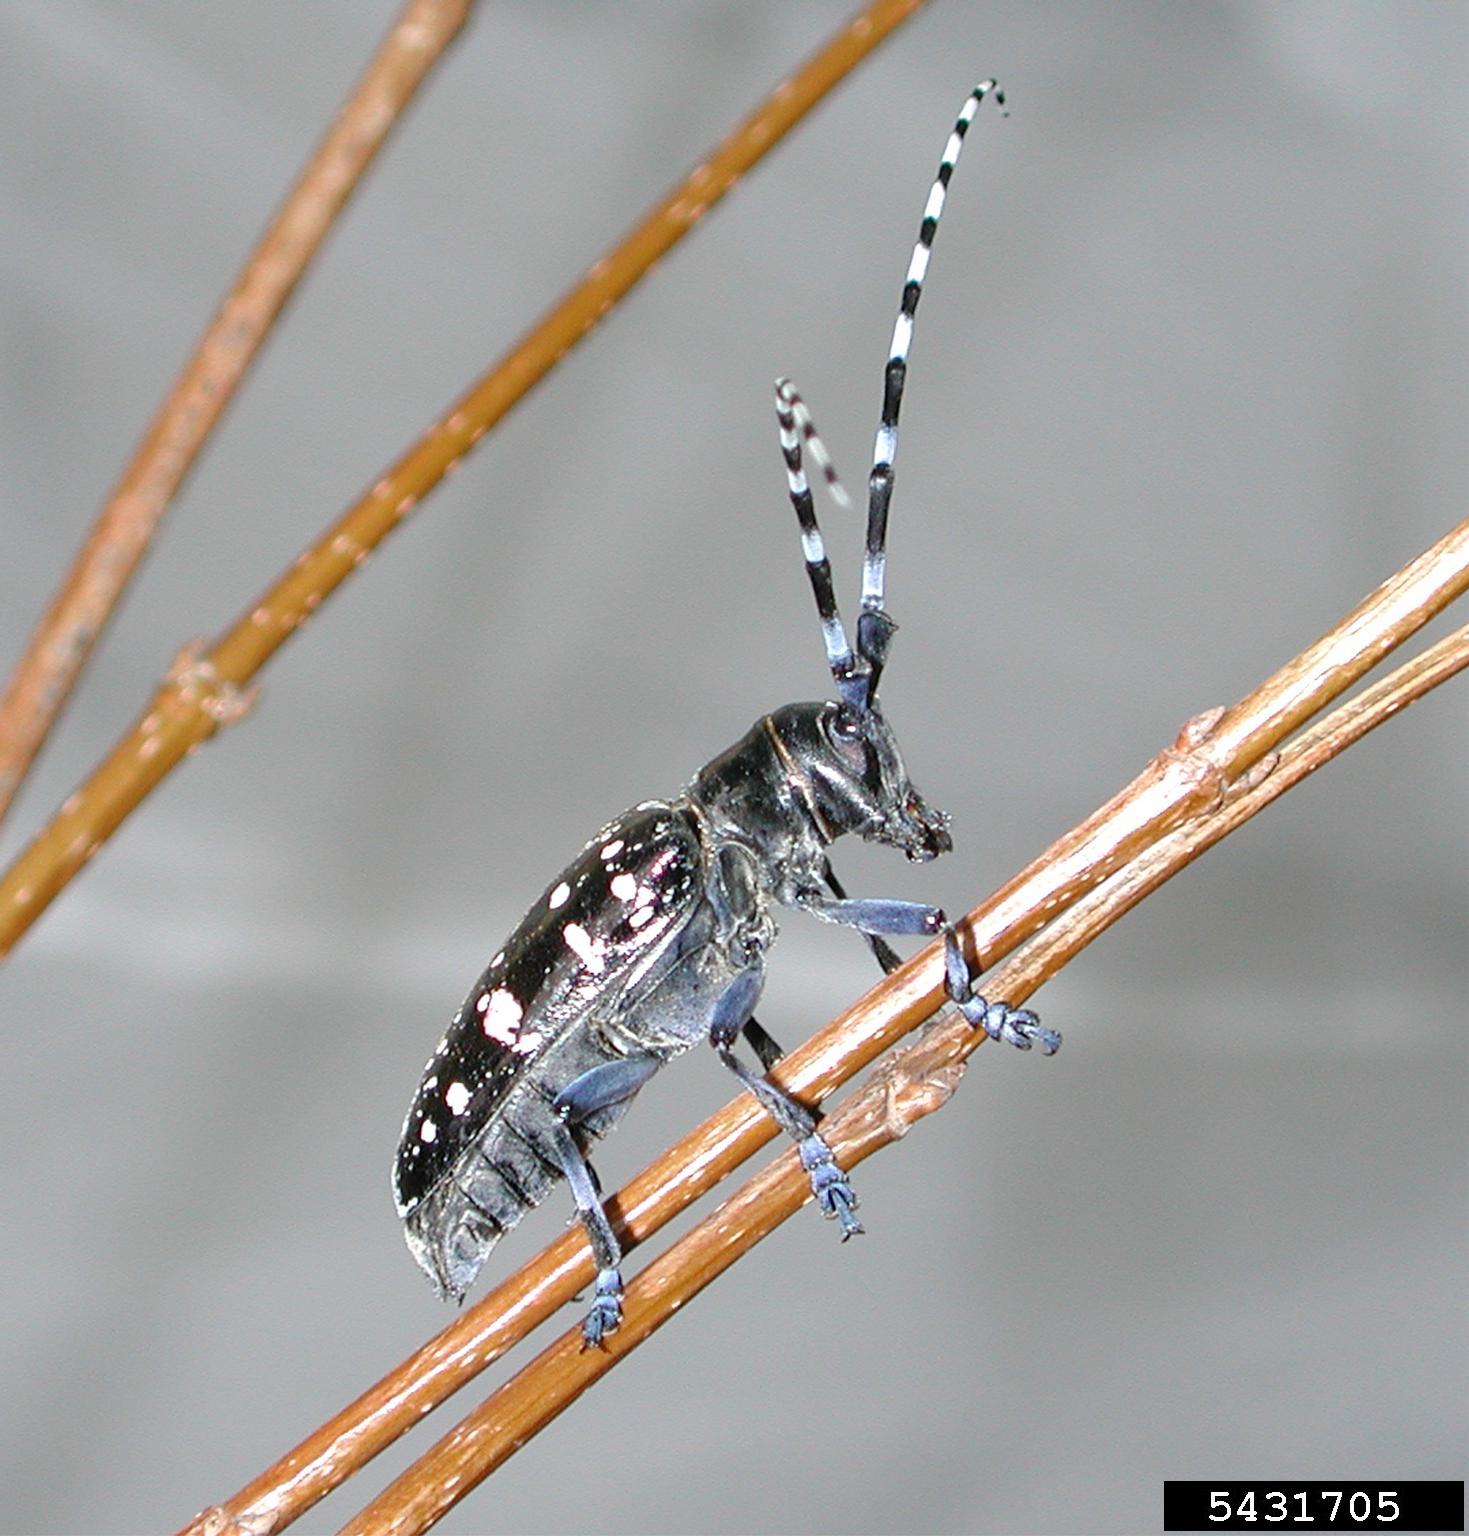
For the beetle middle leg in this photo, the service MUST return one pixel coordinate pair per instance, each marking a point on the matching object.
(734, 1014)
(601, 1087)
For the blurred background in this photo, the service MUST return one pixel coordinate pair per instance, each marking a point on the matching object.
(1189, 380)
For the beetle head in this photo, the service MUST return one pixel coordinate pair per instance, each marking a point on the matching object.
(844, 765)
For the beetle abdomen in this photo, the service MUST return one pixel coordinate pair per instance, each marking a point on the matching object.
(507, 1173)
(478, 1148)
(496, 1181)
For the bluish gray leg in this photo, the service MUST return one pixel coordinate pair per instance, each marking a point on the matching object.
(612, 1082)
(876, 914)
(885, 955)
(734, 1012)
(1018, 1026)
(600, 1087)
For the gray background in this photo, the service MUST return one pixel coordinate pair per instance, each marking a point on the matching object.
(1189, 380)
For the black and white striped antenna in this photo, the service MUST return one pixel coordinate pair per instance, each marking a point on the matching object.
(874, 627)
(857, 674)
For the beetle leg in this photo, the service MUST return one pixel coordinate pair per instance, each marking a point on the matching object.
(884, 953)
(834, 1194)
(1017, 1026)
(875, 914)
(732, 1014)
(837, 1199)
(605, 1313)
(761, 1043)
(601, 1087)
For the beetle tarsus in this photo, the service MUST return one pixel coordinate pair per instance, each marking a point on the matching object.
(836, 1197)
(1019, 1027)
(604, 1316)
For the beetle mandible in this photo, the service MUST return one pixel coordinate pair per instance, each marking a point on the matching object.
(655, 937)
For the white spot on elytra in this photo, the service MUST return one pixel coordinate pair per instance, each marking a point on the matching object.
(427, 1131)
(528, 1042)
(624, 886)
(638, 916)
(587, 949)
(558, 897)
(612, 849)
(502, 1016)
(483, 1003)
(498, 958)
(430, 1082)
(456, 1096)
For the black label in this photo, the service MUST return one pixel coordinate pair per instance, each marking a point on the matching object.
(1416, 1506)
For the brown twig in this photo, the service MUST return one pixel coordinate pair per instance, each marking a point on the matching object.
(919, 1080)
(63, 640)
(177, 721)
(1185, 780)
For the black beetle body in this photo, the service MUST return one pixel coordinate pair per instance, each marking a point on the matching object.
(655, 937)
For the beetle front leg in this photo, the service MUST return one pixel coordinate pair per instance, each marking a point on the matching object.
(733, 1013)
(885, 955)
(1019, 1027)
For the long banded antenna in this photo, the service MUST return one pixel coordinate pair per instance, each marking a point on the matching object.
(797, 426)
(874, 627)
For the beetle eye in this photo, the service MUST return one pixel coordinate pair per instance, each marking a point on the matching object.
(845, 726)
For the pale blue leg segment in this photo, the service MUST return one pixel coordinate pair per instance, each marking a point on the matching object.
(1019, 1027)
(733, 1013)
(885, 955)
(610, 1083)
(602, 1086)
(876, 914)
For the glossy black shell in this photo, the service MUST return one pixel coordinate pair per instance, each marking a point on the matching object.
(593, 929)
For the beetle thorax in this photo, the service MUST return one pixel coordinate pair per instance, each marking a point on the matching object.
(807, 774)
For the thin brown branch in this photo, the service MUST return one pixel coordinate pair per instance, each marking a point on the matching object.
(207, 688)
(1219, 746)
(63, 640)
(1183, 781)
(916, 1082)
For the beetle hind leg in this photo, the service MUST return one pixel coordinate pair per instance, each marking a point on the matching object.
(604, 1316)
(605, 1086)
